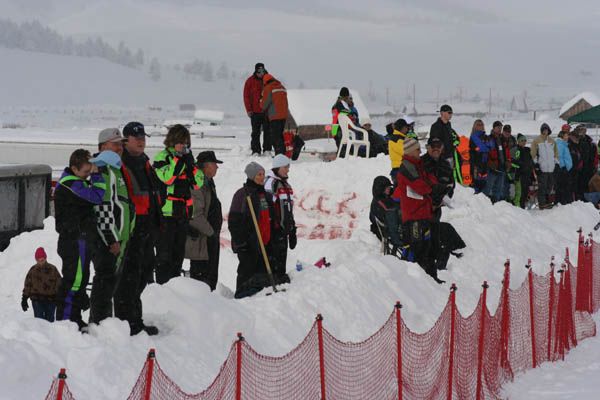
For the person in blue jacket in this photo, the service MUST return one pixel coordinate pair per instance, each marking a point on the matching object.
(479, 149)
(564, 188)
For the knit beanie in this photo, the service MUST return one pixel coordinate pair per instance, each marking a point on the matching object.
(410, 145)
(253, 169)
(520, 137)
(280, 160)
(40, 253)
(344, 92)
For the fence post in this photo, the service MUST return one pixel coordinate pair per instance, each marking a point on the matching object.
(149, 373)
(531, 314)
(481, 340)
(590, 267)
(399, 347)
(238, 368)
(452, 328)
(569, 309)
(321, 354)
(62, 375)
(551, 309)
(560, 318)
(505, 334)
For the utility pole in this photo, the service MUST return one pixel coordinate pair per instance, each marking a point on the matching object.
(437, 99)
(387, 96)
(490, 103)
(414, 98)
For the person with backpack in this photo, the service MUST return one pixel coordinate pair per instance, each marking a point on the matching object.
(203, 245)
(274, 103)
(251, 271)
(115, 221)
(522, 164)
(284, 226)
(80, 188)
(545, 156)
(139, 262)
(179, 175)
(42, 285)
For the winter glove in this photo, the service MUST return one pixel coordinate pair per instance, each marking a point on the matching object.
(193, 232)
(438, 191)
(83, 300)
(242, 248)
(24, 304)
(293, 240)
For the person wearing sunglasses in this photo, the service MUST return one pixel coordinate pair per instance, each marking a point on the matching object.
(442, 130)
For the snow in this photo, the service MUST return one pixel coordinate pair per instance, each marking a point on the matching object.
(313, 106)
(209, 116)
(355, 295)
(590, 97)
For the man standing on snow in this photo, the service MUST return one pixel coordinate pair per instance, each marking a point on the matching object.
(203, 244)
(252, 92)
(274, 103)
(115, 220)
(545, 155)
(139, 259)
(442, 129)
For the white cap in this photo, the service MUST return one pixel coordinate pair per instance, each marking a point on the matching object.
(280, 160)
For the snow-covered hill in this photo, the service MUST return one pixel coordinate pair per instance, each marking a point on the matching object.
(355, 295)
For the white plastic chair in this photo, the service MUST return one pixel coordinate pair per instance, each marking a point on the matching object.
(348, 137)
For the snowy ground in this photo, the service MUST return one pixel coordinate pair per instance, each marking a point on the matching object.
(355, 295)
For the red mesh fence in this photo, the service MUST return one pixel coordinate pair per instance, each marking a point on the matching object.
(461, 357)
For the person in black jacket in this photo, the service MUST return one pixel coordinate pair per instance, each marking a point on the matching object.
(74, 200)
(576, 172)
(444, 238)
(385, 211)
(523, 165)
(140, 258)
(251, 272)
(442, 130)
(589, 156)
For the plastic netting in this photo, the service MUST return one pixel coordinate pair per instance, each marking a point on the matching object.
(461, 357)
(59, 391)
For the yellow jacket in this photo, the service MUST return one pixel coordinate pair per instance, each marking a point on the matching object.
(396, 148)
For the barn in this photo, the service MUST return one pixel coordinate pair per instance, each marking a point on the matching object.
(578, 104)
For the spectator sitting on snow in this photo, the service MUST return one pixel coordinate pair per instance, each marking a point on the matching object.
(251, 276)
(42, 285)
(593, 193)
(385, 213)
(284, 225)
(416, 189)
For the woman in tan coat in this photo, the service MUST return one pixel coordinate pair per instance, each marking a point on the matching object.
(202, 245)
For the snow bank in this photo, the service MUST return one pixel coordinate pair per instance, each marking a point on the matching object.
(355, 295)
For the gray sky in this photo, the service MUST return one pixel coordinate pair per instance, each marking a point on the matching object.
(510, 46)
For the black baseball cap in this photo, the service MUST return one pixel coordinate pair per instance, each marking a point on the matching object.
(400, 123)
(135, 129)
(433, 141)
(496, 123)
(207, 156)
(446, 108)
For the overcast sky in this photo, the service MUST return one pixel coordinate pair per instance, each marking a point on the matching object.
(510, 46)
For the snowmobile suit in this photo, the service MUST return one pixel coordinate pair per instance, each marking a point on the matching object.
(139, 258)
(115, 219)
(74, 201)
(180, 176)
(284, 225)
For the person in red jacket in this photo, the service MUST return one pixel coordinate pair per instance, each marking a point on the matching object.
(416, 190)
(274, 104)
(252, 92)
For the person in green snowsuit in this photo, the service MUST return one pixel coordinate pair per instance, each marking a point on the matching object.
(523, 167)
(115, 221)
(175, 167)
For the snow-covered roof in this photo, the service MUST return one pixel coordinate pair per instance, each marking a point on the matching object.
(313, 106)
(590, 97)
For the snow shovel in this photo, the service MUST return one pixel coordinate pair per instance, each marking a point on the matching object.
(262, 247)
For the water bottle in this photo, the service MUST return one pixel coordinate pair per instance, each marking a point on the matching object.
(298, 266)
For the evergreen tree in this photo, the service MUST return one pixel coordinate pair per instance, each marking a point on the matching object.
(154, 69)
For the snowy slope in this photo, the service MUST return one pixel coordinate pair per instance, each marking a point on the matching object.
(361, 287)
